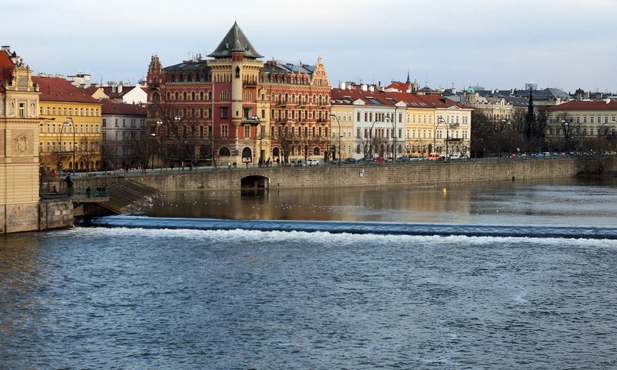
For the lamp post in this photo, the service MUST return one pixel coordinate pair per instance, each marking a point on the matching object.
(370, 135)
(393, 137)
(255, 121)
(339, 137)
(440, 120)
(70, 119)
(177, 120)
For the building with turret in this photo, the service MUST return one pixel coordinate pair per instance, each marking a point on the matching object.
(236, 108)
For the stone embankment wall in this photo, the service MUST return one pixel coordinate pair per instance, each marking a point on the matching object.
(371, 175)
(55, 214)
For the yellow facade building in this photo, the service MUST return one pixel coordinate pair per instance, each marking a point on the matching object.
(70, 127)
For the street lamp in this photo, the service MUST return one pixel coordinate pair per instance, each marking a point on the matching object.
(339, 137)
(440, 120)
(393, 136)
(255, 121)
(70, 119)
(60, 149)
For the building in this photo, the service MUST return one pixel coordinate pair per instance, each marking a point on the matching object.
(19, 162)
(124, 143)
(236, 108)
(582, 125)
(388, 123)
(122, 93)
(70, 126)
(377, 121)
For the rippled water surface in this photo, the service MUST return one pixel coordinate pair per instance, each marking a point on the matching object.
(553, 202)
(99, 298)
(120, 298)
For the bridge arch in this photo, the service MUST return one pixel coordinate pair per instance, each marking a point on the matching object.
(255, 182)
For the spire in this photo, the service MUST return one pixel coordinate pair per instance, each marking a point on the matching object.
(408, 79)
(235, 41)
(531, 118)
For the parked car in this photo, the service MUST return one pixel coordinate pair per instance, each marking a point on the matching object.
(434, 157)
(350, 161)
(378, 160)
(512, 156)
(455, 156)
(312, 162)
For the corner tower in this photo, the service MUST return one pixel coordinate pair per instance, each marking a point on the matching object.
(235, 76)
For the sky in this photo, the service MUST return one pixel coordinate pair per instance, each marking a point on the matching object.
(497, 44)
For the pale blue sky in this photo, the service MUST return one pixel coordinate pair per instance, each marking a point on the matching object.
(497, 44)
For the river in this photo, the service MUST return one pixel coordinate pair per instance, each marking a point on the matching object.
(180, 298)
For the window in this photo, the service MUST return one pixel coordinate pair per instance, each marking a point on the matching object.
(224, 130)
(224, 113)
(104, 122)
(247, 131)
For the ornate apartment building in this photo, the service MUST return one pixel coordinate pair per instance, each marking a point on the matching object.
(124, 143)
(386, 122)
(70, 126)
(236, 108)
(582, 124)
(19, 161)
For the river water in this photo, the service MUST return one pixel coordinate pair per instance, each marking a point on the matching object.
(185, 298)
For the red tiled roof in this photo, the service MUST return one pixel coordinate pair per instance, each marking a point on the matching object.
(112, 91)
(342, 96)
(400, 86)
(126, 109)
(6, 69)
(59, 89)
(91, 90)
(586, 105)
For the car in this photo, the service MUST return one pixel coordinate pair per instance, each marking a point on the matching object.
(378, 160)
(512, 156)
(455, 156)
(402, 159)
(350, 161)
(312, 162)
(434, 157)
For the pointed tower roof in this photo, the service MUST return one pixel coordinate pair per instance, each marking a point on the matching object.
(235, 41)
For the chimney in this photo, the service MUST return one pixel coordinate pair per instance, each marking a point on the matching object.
(364, 87)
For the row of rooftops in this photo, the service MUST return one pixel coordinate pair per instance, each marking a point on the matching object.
(369, 95)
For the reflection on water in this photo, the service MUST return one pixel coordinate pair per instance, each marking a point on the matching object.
(239, 299)
(556, 202)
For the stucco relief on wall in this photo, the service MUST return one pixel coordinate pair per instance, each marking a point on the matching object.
(22, 143)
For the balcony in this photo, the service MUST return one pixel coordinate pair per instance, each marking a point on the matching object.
(253, 121)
